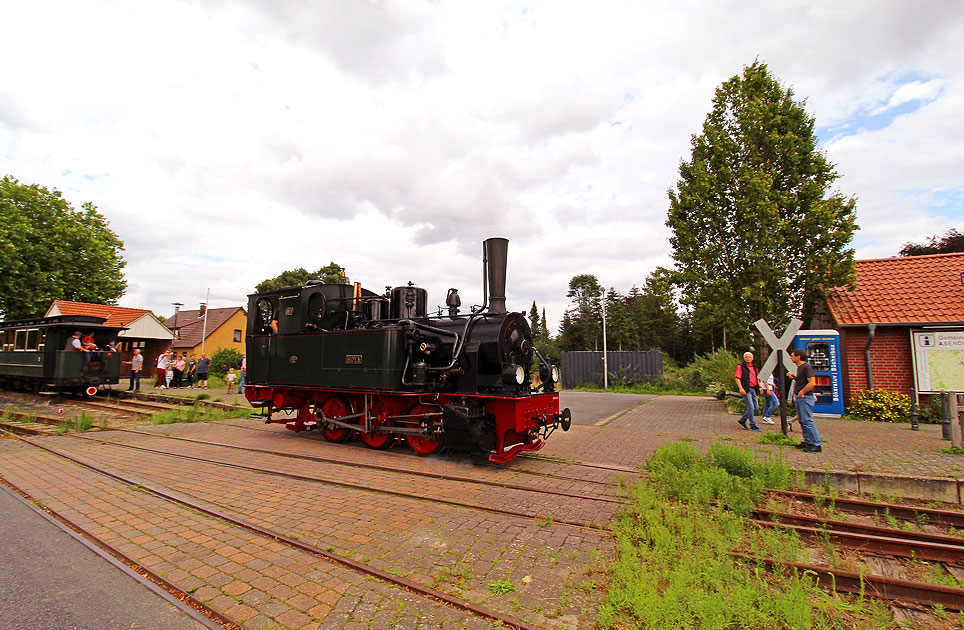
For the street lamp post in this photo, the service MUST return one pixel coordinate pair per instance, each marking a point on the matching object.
(605, 353)
(177, 306)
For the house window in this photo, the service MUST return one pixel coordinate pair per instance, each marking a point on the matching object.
(237, 336)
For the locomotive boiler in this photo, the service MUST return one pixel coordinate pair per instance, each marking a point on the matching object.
(345, 361)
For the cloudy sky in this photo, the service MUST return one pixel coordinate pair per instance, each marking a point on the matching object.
(227, 141)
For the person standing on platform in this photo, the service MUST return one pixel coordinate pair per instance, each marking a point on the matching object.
(803, 398)
(203, 365)
(137, 362)
(162, 364)
(243, 368)
(747, 382)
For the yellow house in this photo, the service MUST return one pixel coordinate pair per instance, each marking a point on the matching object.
(197, 331)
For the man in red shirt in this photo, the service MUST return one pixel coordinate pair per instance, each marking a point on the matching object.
(747, 381)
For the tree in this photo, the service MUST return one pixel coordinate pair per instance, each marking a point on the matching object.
(50, 251)
(581, 327)
(330, 274)
(952, 241)
(757, 233)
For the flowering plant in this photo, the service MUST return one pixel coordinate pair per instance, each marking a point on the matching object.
(880, 405)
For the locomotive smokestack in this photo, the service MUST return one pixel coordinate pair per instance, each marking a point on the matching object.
(496, 254)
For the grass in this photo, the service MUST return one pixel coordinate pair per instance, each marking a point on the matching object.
(953, 450)
(194, 413)
(675, 565)
(501, 586)
(775, 437)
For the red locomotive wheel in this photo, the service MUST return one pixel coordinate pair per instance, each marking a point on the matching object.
(419, 443)
(378, 440)
(336, 407)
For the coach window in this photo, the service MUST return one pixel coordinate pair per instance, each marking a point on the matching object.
(33, 339)
(21, 340)
(6, 340)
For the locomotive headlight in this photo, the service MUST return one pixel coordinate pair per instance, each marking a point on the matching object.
(514, 373)
(554, 374)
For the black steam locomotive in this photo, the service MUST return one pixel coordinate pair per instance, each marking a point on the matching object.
(344, 361)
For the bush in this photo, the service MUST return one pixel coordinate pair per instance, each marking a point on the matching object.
(224, 359)
(879, 405)
(711, 372)
(932, 412)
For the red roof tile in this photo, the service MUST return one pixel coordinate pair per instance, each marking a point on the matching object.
(903, 290)
(118, 316)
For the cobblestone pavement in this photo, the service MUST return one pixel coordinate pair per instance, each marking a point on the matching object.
(848, 445)
(451, 548)
(266, 584)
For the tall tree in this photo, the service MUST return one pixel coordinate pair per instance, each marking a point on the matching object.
(582, 323)
(757, 232)
(330, 273)
(952, 241)
(50, 251)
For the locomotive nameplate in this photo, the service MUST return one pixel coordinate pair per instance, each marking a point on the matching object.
(353, 359)
(289, 311)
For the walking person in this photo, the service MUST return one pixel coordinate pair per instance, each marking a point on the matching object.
(203, 365)
(803, 397)
(137, 362)
(746, 380)
(771, 399)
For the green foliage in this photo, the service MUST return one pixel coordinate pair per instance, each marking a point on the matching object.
(727, 474)
(224, 359)
(952, 241)
(501, 586)
(50, 251)
(751, 205)
(711, 373)
(775, 437)
(330, 274)
(953, 450)
(675, 565)
(581, 327)
(931, 412)
(880, 405)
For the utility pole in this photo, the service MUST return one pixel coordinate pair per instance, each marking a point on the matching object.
(204, 327)
(605, 353)
(177, 306)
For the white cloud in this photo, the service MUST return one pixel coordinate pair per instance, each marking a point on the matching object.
(228, 141)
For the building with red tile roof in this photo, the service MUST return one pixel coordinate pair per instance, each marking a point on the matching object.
(893, 326)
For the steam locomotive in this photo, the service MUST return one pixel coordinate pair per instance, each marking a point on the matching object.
(345, 361)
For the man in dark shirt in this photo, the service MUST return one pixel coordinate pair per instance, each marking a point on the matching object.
(803, 398)
(203, 365)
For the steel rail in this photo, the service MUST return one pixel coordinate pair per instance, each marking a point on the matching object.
(353, 486)
(878, 586)
(404, 583)
(487, 464)
(869, 538)
(184, 601)
(856, 506)
(379, 467)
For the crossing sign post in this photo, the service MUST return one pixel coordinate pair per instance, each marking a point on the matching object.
(779, 359)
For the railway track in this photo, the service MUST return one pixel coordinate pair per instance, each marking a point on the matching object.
(368, 465)
(206, 509)
(340, 482)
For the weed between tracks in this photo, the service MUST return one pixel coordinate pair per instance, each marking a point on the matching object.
(675, 542)
(194, 413)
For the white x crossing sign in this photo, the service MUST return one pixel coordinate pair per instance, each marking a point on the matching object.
(777, 344)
